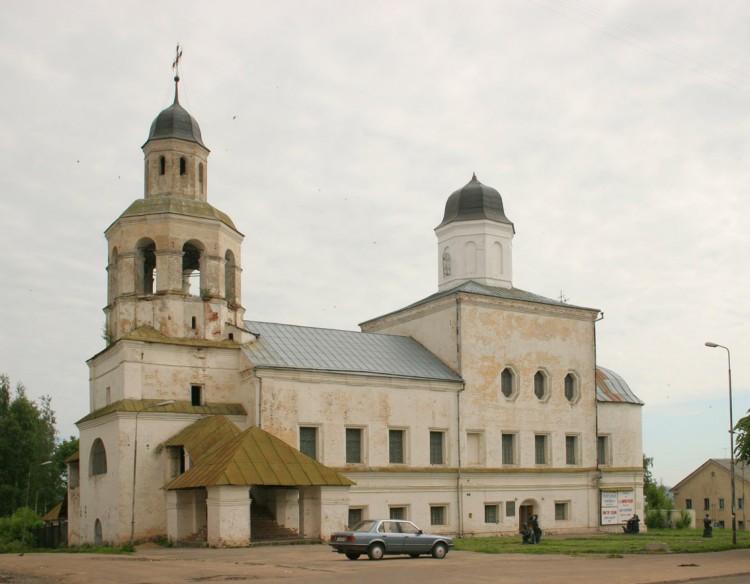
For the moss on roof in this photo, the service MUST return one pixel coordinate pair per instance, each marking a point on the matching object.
(151, 335)
(178, 206)
(176, 407)
(256, 457)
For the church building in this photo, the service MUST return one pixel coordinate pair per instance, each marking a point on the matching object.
(466, 412)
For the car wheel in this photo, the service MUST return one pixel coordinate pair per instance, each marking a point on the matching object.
(376, 551)
(352, 555)
(439, 550)
(413, 555)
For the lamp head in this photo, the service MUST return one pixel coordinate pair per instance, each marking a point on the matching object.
(712, 345)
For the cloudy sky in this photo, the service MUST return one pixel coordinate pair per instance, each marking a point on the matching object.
(617, 133)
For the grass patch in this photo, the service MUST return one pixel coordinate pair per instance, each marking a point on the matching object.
(82, 549)
(610, 545)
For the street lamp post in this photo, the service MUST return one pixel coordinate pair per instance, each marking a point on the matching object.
(28, 488)
(731, 439)
(135, 462)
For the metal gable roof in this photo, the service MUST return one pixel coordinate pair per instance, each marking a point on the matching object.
(610, 387)
(316, 349)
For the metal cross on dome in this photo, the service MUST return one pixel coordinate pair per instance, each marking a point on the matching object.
(176, 62)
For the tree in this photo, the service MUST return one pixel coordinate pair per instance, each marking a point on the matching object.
(742, 437)
(656, 495)
(27, 442)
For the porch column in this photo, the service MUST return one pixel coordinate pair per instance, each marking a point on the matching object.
(286, 508)
(323, 510)
(228, 516)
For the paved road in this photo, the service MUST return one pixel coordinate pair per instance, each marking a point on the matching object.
(315, 563)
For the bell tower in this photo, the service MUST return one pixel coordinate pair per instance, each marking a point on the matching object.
(475, 239)
(174, 259)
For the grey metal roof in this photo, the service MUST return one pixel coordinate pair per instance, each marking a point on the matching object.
(175, 122)
(610, 387)
(286, 346)
(474, 201)
(473, 287)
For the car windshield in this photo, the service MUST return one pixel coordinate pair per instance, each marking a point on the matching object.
(366, 525)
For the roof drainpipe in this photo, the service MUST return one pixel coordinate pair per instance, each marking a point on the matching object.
(596, 430)
(459, 486)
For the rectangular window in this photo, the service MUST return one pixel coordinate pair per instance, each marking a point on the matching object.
(437, 515)
(571, 450)
(741, 503)
(436, 448)
(509, 449)
(706, 505)
(354, 445)
(195, 395)
(721, 503)
(510, 508)
(396, 448)
(540, 449)
(688, 503)
(355, 516)
(602, 450)
(308, 441)
(397, 513)
(561, 511)
(474, 454)
(492, 513)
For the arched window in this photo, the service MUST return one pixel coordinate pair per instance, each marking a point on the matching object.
(571, 387)
(145, 266)
(191, 269)
(183, 166)
(201, 178)
(497, 259)
(470, 255)
(113, 277)
(98, 458)
(162, 165)
(540, 385)
(507, 382)
(230, 293)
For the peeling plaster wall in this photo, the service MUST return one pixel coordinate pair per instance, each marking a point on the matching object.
(621, 423)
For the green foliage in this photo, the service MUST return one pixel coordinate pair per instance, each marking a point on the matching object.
(656, 496)
(684, 521)
(657, 519)
(17, 531)
(679, 541)
(27, 440)
(742, 439)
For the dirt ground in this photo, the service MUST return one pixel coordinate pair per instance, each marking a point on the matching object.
(316, 563)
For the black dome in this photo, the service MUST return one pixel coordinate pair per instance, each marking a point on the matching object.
(475, 201)
(175, 122)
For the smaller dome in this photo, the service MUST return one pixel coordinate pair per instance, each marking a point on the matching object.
(175, 122)
(474, 201)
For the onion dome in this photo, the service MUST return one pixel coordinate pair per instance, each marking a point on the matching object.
(475, 201)
(175, 122)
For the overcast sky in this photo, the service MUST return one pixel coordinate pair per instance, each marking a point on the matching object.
(616, 132)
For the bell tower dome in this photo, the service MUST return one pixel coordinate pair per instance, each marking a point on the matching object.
(174, 259)
(475, 239)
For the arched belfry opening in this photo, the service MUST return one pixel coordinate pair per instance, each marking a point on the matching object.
(113, 277)
(191, 269)
(145, 270)
(230, 290)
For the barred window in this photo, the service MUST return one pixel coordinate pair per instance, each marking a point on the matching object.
(509, 454)
(561, 511)
(308, 441)
(436, 448)
(492, 513)
(354, 445)
(571, 450)
(437, 515)
(540, 449)
(396, 446)
(397, 513)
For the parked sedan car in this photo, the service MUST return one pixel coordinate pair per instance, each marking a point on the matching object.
(378, 537)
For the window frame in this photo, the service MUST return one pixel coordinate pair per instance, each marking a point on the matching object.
(602, 450)
(488, 507)
(544, 440)
(575, 459)
(562, 510)
(391, 433)
(575, 391)
(443, 454)
(513, 448)
(509, 380)
(542, 385)
(442, 508)
(360, 432)
(316, 432)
